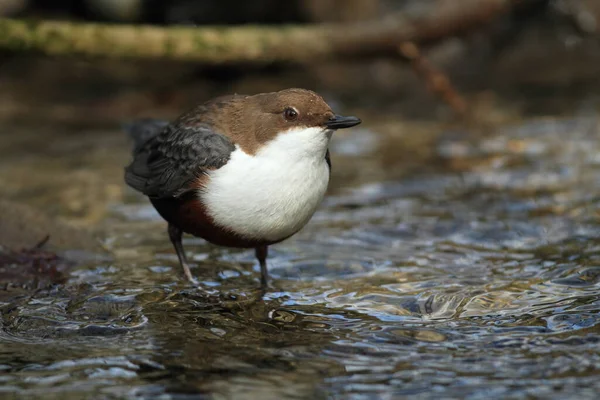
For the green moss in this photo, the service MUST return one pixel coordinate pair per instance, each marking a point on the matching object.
(8, 36)
(170, 46)
(206, 44)
(200, 42)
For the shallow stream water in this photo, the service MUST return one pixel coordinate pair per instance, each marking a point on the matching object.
(445, 263)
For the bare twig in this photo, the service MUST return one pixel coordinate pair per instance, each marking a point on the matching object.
(434, 79)
(41, 243)
(256, 44)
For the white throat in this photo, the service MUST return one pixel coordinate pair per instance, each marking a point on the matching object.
(273, 194)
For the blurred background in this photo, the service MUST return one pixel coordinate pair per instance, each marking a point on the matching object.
(541, 56)
(455, 256)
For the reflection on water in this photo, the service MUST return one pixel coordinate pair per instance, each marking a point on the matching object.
(476, 275)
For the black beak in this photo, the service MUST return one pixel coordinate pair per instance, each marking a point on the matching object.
(339, 122)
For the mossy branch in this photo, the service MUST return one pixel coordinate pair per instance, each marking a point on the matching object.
(256, 44)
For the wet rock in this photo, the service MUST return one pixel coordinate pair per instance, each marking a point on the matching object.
(32, 268)
(37, 251)
(23, 227)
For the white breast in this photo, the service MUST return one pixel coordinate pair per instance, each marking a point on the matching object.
(272, 194)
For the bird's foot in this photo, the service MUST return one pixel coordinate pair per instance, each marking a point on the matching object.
(188, 274)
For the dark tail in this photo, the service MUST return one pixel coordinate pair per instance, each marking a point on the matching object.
(142, 130)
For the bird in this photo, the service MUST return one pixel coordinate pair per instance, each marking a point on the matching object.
(242, 171)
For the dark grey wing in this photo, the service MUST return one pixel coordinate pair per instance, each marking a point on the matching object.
(167, 164)
(328, 160)
(142, 130)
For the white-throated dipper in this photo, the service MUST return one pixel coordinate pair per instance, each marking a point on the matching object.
(237, 171)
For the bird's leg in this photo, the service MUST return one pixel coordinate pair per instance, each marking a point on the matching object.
(175, 235)
(261, 254)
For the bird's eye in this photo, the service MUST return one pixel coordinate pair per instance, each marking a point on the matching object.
(290, 113)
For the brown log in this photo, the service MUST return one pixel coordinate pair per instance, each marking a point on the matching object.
(253, 44)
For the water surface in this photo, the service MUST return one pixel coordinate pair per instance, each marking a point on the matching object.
(445, 263)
